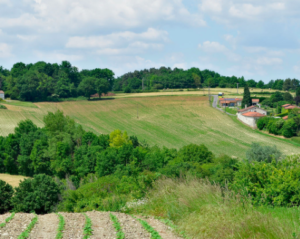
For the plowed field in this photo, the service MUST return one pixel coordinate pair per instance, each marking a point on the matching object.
(102, 226)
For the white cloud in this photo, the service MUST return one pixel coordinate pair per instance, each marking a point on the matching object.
(57, 56)
(5, 50)
(269, 61)
(211, 6)
(208, 46)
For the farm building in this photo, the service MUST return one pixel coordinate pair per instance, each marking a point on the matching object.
(250, 115)
(287, 108)
(2, 95)
(235, 102)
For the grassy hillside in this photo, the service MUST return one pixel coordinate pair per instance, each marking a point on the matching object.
(171, 121)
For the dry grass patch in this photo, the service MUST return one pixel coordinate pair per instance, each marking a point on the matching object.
(13, 180)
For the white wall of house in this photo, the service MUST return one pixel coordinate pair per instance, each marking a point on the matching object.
(251, 121)
(2, 96)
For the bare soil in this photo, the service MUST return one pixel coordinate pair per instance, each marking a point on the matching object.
(3, 217)
(16, 226)
(74, 225)
(102, 225)
(46, 227)
(131, 227)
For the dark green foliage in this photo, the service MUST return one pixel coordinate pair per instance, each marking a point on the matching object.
(289, 128)
(6, 193)
(260, 153)
(246, 98)
(39, 194)
(287, 97)
(127, 89)
(195, 153)
(3, 107)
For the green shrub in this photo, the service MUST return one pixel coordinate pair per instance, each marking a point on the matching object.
(3, 107)
(39, 194)
(262, 122)
(127, 90)
(273, 183)
(289, 128)
(260, 153)
(6, 193)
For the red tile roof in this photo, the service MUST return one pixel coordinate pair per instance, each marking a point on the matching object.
(238, 99)
(253, 114)
(1, 91)
(291, 107)
(255, 100)
(248, 108)
(285, 117)
(285, 105)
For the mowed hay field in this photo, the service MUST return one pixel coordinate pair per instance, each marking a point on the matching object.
(13, 180)
(171, 121)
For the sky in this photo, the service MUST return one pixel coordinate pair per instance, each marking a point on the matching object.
(256, 39)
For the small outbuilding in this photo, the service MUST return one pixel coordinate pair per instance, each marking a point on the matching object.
(2, 95)
(250, 115)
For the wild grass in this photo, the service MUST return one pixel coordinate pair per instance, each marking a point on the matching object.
(204, 210)
(7, 220)
(25, 234)
(13, 180)
(171, 121)
(61, 227)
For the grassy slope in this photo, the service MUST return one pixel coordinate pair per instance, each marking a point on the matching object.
(171, 121)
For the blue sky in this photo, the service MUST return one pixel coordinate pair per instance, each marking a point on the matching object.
(255, 39)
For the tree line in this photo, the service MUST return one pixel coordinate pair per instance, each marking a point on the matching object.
(74, 170)
(50, 82)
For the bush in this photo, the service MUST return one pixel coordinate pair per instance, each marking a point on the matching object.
(263, 153)
(39, 194)
(3, 107)
(6, 193)
(127, 90)
(262, 122)
(289, 128)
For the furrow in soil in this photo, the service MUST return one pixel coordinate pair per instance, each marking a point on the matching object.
(74, 225)
(102, 225)
(131, 227)
(16, 226)
(46, 227)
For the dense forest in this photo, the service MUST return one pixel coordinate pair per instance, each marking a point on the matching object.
(75, 170)
(50, 82)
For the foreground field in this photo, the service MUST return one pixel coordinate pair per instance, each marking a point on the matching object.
(13, 180)
(172, 121)
(75, 224)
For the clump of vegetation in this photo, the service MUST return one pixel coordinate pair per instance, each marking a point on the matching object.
(25, 234)
(39, 194)
(261, 153)
(154, 234)
(61, 227)
(3, 107)
(87, 230)
(206, 210)
(117, 225)
(6, 193)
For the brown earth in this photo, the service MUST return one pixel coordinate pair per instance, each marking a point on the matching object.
(46, 227)
(74, 225)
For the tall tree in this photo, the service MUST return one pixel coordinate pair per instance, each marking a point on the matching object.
(102, 86)
(87, 86)
(247, 97)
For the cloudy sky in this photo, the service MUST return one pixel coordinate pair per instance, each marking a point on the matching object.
(251, 38)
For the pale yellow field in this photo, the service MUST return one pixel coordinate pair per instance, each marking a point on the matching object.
(13, 180)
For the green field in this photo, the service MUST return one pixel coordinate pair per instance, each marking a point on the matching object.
(172, 121)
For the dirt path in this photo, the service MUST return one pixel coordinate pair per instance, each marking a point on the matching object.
(131, 227)
(3, 217)
(163, 230)
(74, 225)
(16, 226)
(46, 227)
(102, 225)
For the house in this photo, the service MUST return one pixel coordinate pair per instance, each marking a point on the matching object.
(250, 115)
(288, 108)
(235, 102)
(220, 94)
(285, 117)
(2, 95)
